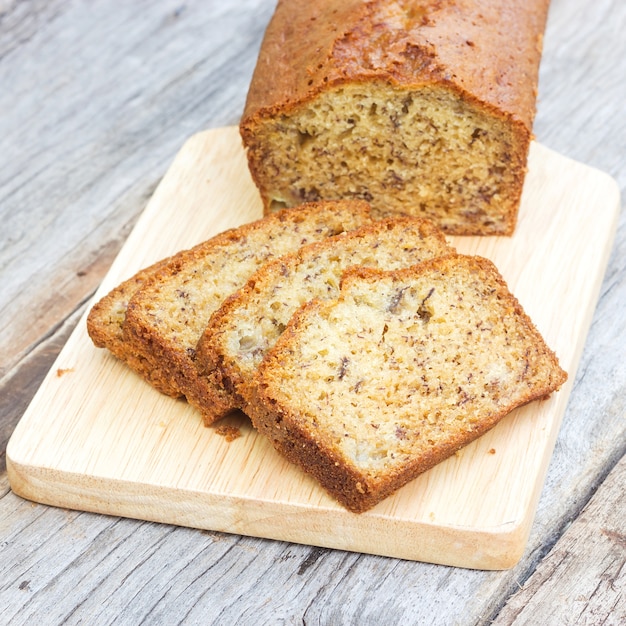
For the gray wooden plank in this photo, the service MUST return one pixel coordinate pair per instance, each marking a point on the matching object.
(101, 96)
(583, 579)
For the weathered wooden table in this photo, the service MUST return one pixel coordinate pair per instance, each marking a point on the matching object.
(96, 99)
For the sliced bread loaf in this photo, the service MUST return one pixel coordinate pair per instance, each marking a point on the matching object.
(248, 324)
(367, 391)
(166, 316)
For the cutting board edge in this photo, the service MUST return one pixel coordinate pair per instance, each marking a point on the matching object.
(471, 547)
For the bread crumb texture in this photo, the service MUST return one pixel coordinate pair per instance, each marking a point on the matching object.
(421, 152)
(230, 433)
(180, 298)
(367, 391)
(249, 323)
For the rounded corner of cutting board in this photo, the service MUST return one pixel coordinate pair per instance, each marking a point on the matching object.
(479, 548)
(27, 478)
(17, 473)
(513, 543)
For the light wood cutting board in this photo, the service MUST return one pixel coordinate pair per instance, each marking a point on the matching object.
(97, 438)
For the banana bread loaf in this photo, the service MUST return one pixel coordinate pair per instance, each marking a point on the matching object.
(367, 391)
(248, 324)
(422, 107)
(165, 318)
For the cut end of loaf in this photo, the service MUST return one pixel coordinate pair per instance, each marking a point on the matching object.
(420, 151)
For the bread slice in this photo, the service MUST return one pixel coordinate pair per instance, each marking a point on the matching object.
(423, 108)
(367, 391)
(105, 327)
(165, 317)
(248, 324)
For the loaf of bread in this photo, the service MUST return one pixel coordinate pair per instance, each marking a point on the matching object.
(165, 318)
(367, 391)
(105, 323)
(248, 324)
(423, 108)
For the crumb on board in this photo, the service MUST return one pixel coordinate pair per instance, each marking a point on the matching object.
(230, 433)
(61, 371)
(492, 450)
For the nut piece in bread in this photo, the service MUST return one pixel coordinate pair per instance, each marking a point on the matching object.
(367, 391)
(424, 108)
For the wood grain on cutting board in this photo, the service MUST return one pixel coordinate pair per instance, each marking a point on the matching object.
(97, 438)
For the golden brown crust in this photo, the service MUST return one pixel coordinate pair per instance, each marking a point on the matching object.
(105, 323)
(483, 53)
(487, 50)
(311, 436)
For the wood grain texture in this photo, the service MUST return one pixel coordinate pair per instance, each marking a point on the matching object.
(101, 96)
(97, 438)
(582, 580)
(84, 568)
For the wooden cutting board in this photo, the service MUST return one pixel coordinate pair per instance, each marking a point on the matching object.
(97, 438)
